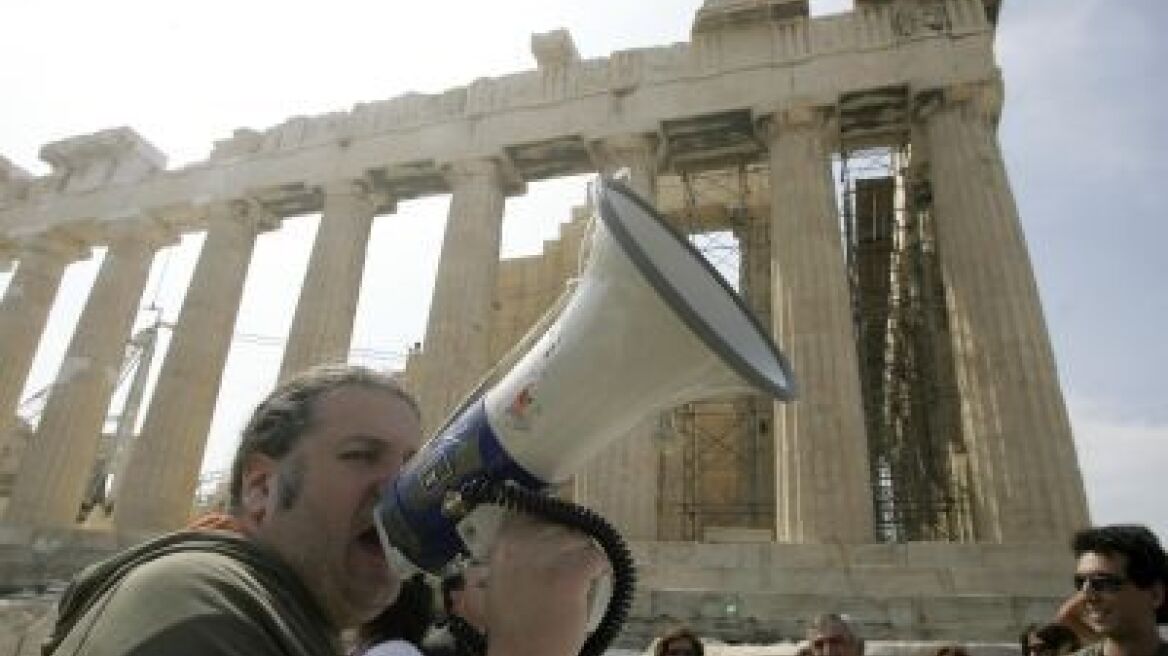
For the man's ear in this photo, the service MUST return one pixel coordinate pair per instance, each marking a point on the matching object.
(1158, 600)
(258, 485)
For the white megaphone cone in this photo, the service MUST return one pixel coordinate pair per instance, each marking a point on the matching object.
(650, 325)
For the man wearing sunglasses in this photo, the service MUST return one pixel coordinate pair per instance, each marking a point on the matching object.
(1121, 574)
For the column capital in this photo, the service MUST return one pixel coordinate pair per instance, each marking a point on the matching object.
(638, 154)
(151, 232)
(462, 172)
(246, 211)
(981, 101)
(797, 117)
(617, 150)
(345, 187)
(58, 245)
(359, 190)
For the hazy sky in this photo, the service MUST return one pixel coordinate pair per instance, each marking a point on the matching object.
(1081, 134)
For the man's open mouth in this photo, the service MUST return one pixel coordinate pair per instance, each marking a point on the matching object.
(371, 542)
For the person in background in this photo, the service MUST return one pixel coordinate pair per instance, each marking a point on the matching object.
(830, 634)
(680, 641)
(1121, 579)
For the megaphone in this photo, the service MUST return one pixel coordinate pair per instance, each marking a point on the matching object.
(649, 326)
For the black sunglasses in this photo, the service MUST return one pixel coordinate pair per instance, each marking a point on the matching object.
(1099, 582)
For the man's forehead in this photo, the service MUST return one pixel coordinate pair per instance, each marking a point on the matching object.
(1099, 560)
(362, 409)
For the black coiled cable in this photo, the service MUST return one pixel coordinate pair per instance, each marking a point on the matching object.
(624, 576)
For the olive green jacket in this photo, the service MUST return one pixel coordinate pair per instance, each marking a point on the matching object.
(197, 593)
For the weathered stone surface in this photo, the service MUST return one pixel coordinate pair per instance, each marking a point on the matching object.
(821, 448)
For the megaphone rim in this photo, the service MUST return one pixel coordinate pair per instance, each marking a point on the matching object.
(680, 307)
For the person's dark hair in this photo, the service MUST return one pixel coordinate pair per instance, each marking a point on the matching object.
(950, 650)
(279, 420)
(676, 634)
(824, 622)
(450, 584)
(1146, 561)
(407, 618)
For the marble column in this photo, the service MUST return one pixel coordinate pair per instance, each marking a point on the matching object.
(821, 476)
(323, 324)
(1026, 479)
(621, 482)
(457, 346)
(56, 466)
(24, 311)
(162, 472)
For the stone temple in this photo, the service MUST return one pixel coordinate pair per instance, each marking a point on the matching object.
(925, 480)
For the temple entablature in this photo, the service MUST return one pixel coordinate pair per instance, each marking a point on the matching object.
(538, 123)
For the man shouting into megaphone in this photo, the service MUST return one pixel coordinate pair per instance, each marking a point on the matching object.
(297, 560)
(326, 514)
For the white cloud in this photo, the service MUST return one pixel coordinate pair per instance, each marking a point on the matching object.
(1123, 462)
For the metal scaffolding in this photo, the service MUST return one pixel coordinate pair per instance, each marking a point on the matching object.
(718, 472)
(911, 411)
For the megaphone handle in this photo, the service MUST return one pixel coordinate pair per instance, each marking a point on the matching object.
(614, 595)
(478, 530)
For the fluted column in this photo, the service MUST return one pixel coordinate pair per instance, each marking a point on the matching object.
(323, 325)
(1027, 484)
(25, 311)
(621, 481)
(822, 494)
(163, 468)
(55, 468)
(457, 346)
